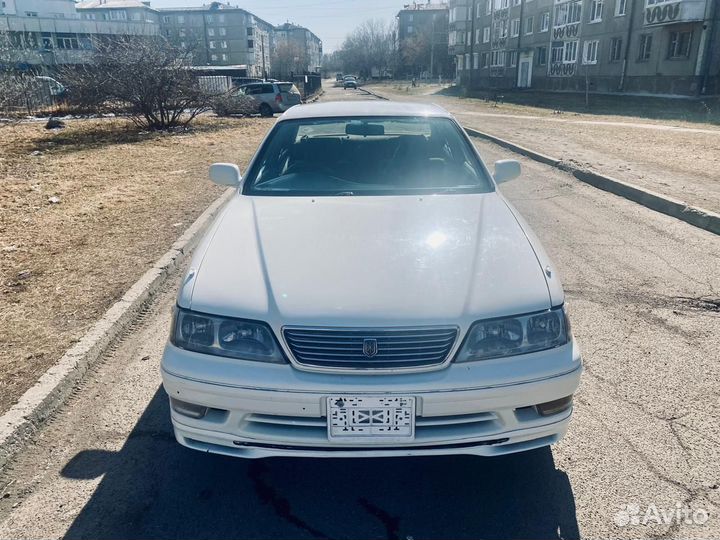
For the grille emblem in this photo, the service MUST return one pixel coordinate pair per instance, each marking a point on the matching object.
(370, 347)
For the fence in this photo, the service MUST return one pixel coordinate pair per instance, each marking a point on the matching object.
(308, 84)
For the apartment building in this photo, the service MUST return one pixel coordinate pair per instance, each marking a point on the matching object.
(664, 47)
(421, 40)
(221, 35)
(46, 33)
(301, 39)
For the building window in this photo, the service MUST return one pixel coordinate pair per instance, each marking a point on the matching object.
(476, 60)
(118, 15)
(459, 61)
(221, 18)
(477, 36)
(181, 19)
(67, 41)
(679, 46)
(222, 31)
(486, 34)
(249, 31)
(224, 57)
(616, 50)
(182, 32)
(214, 57)
(568, 13)
(529, 22)
(488, 7)
(570, 52)
(467, 61)
(620, 7)
(31, 13)
(46, 41)
(208, 19)
(590, 52)
(211, 32)
(183, 45)
(211, 44)
(410, 29)
(515, 27)
(502, 4)
(497, 59)
(596, 9)
(485, 59)
(542, 56)
(645, 47)
(478, 10)
(468, 37)
(223, 44)
(512, 62)
(545, 22)
(251, 44)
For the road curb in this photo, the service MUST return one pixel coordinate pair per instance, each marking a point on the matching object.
(693, 215)
(39, 402)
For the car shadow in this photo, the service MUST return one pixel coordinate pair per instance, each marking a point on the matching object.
(154, 488)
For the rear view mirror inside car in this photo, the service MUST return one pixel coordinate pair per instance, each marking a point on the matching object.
(365, 129)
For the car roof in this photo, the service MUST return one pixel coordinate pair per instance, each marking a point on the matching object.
(331, 109)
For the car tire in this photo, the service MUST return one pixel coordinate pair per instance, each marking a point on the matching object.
(265, 110)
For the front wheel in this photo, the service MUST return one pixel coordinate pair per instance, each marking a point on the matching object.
(265, 110)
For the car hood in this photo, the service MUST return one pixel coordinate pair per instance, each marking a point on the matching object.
(353, 261)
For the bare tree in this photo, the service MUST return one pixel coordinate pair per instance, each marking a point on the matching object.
(415, 51)
(288, 59)
(370, 45)
(145, 77)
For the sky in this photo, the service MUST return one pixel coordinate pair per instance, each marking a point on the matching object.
(330, 20)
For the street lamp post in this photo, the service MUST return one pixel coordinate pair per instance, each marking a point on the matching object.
(472, 42)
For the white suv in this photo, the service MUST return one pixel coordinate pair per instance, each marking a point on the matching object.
(369, 292)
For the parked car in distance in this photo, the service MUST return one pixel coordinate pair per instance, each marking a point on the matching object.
(349, 82)
(338, 77)
(369, 292)
(272, 97)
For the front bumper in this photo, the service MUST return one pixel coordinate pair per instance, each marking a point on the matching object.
(269, 410)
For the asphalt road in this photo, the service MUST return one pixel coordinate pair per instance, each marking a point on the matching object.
(643, 290)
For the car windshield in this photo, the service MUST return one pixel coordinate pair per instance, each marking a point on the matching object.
(366, 156)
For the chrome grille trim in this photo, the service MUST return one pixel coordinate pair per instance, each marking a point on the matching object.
(397, 348)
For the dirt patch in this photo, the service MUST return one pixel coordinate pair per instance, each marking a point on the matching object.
(83, 212)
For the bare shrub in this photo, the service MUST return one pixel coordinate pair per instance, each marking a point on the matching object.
(146, 78)
(230, 103)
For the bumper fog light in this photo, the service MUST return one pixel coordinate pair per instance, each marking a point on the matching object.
(188, 409)
(554, 407)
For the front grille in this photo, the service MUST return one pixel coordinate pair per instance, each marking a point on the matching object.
(392, 348)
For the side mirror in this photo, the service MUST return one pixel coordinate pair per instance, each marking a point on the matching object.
(225, 174)
(506, 169)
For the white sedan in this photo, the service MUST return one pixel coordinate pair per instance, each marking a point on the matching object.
(369, 292)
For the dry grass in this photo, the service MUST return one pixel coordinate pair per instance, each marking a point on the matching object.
(125, 196)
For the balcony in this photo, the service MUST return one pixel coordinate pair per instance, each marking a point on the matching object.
(662, 12)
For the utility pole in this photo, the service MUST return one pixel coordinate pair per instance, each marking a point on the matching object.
(432, 46)
(472, 42)
(262, 50)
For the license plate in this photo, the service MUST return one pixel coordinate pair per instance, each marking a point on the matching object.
(371, 419)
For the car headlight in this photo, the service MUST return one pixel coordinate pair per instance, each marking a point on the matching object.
(509, 336)
(224, 336)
